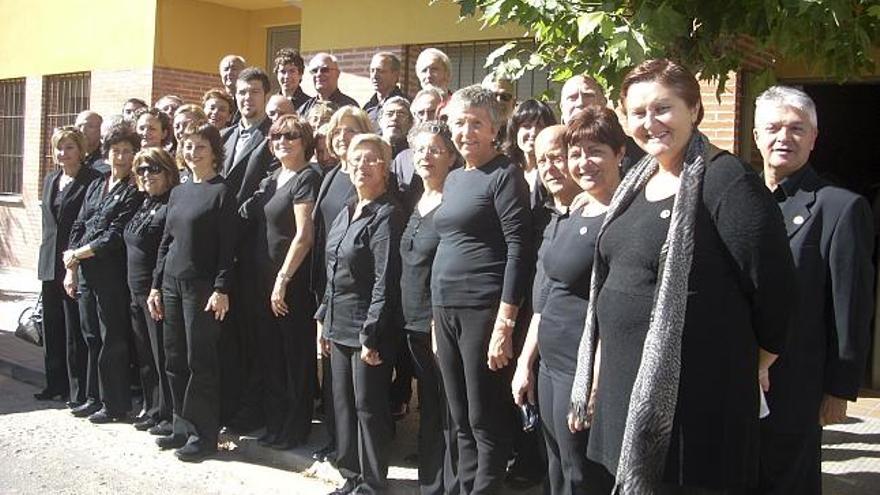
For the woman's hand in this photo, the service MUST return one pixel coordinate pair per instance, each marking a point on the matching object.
(219, 304)
(69, 259)
(276, 300)
(574, 424)
(500, 345)
(70, 282)
(370, 356)
(523, 386)
(154, 304)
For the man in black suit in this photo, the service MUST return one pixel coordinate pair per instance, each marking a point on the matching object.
(830, 233)
(324, 69)
(384, 76)
(242, 382)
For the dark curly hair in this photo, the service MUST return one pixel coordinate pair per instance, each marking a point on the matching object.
(120, 133)
(530, 111)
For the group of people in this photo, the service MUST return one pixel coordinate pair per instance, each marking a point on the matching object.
(675, 322)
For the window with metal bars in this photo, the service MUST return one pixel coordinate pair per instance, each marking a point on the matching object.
(11, 135)
(64, 96)
(467, 59)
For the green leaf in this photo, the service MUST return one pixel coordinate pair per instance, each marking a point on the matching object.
(499, 52)
(587, 23)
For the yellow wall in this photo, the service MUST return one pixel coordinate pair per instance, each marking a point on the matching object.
(55, 37)
(194, 35)
(340, 24)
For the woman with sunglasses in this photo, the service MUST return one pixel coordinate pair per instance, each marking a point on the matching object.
(156, 175)
(95, 262)
(190, 287)
(282, 210)
(434, 155)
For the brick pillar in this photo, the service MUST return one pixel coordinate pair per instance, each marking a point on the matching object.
(721, 118)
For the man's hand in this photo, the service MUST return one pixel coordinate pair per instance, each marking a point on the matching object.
(832, 410)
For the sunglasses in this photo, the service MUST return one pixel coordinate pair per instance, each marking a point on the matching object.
(290, 136)
(152, 169)
(503, 97)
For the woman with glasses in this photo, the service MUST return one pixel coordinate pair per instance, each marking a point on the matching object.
(190, 291)
(359, 317)
(63, 194)
(282, 209)
(95, 262)
(434, 156)
(336, 190)
(156, 175)
(477, 283)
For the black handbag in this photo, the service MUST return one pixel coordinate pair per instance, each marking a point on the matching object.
(30, 324)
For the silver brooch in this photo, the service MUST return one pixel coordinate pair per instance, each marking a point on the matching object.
(583, 230)
(665, 214)
(116, 198)
(798, 220)
(153, 211)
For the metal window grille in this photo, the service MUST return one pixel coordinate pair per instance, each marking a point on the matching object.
(467, 59)
(11, 135)
(64, 96)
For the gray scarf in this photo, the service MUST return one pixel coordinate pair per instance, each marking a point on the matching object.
(655, 391)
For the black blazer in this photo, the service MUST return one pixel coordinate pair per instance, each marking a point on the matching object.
(56, 230)
(259, 165)
(234, 170)
(831, 235)
(102, 219)
(360, 306)
(319, 270)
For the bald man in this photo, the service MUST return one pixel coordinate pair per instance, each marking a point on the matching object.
(277, 106)
(230, 67)
(89, 123)
(324, 70)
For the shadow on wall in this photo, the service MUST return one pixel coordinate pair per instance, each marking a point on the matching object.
(10, 228)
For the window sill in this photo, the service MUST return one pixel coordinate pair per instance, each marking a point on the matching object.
(11, 200)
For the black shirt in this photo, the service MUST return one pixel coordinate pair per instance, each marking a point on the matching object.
(199, 235)
(142, 236)
(103, 216)
(337, 97)
(418, 245)
(484, 228)
(299, 98)
(336, 190)
(360, 302)
(373, 107)
(568, 264)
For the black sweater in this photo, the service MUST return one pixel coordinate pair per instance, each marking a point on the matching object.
(199, 236)
(142, 237)
(485, 231)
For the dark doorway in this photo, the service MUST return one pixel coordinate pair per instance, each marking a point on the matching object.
(847, 153)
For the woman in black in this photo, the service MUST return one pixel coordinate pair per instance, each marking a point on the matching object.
(154, 128)
(523, 127)
(434, 155)
(282, 209)
(157, 174)
(190, 287)
(336, 190)
(95, 262)
(477, 284)
(690, 295)
(360, 320)
(63, 193)
(594, 143)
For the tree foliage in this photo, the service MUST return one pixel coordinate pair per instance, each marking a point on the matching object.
(711, 37)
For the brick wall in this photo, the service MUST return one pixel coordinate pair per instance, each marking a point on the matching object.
(721, 122)
(110, 89)
(187, 84)
(354, 64)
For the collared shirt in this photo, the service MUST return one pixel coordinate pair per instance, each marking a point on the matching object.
(299, 97)
(244, 135)
(337, 97)
(374, 106)
(790, 185)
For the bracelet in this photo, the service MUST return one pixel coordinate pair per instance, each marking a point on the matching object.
(506, 321)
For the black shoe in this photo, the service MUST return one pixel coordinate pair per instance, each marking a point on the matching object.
(267, 439)
(49, 395)
(322, 453)
(348, 487)
(194, 451)
(85, 409)
(399, 412)
(104, 416)
(163, 428)
(172, 441)
(144, 425)
(73, 404)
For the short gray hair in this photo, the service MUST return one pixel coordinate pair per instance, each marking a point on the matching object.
(787, 96)
(395, 62)
(397, 100)
(476, 96)
(435, 53)
(432, 91)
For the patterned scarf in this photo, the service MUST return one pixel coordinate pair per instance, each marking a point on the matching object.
(655, 391)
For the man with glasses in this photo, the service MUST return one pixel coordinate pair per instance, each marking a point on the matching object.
(395, 121)
(324, 69)
(384, 76)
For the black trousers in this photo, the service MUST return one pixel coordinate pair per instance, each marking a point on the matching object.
(248, 306)
(569, 470)
(191, 358)
(363, 417)
(401, 385)
(287, 353)
(55, 337)
(438, 453)
(149, 343)
(479, 399)
(107, 335)
(790, 462)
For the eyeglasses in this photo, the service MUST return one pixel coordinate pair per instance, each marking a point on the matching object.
(290, 136)
(429, 151)
(344, 131)
(367, 161)
(150, 168)
(503, 97)
(397, 113)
